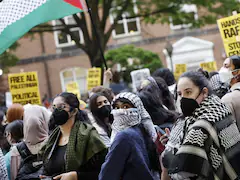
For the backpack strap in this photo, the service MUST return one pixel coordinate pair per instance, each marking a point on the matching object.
(23, 150)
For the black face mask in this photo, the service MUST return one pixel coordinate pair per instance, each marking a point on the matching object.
(60, 116)
(104, 112)
(188, 106)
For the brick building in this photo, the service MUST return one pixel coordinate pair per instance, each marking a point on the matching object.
(57, 60)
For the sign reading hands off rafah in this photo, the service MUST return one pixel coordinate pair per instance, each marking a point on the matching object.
(230, 32)
(24, 88)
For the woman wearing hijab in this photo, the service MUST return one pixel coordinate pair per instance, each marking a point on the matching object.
(35, 129)
(132, 154)
(101, 110)
(210, 142)
(74, 150)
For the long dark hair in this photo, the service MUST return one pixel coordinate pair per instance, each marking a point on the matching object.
(160, 90)
(94, 108)
(4, 145)
(154, 107)
(151, 149)
(166, 74)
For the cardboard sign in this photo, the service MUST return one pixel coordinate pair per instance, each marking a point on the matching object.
(179, 70)
(209, 66)
(230, 32)
(138, 76)
(24, 88)
(73, 87)
(94, 78)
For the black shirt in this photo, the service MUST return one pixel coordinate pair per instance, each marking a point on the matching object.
(56, 164)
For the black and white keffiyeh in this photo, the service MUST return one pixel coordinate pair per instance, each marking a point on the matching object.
(124, 118)
(3, 169)
(211, 109)
(215, 82)
(210, 146)
(140, 115)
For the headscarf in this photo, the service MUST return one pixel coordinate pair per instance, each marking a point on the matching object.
(15, 112)
(140, 115)
(35, 121)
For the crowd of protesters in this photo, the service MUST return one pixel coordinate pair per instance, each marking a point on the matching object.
(182, 130)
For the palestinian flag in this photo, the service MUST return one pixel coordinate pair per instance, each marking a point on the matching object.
(17, 17)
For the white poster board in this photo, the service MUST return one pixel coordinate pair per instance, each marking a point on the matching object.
(138, 76)
(9, 102)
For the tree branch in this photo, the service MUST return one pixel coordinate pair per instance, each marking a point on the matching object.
(67, 30)
(106, 11)
(81, 22)
(109, 32)
(165, 10)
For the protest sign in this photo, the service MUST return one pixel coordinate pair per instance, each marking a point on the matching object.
(179, 70)
(209, 66)
(8, 99)
(138, 77)
(24, 88)
(73, 87)
(230, 28)
(94, 78)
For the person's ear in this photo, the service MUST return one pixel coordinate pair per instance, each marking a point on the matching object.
(205, 92)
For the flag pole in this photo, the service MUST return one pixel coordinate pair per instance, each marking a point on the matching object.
(97, 35)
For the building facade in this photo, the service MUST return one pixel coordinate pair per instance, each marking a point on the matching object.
(57, 60)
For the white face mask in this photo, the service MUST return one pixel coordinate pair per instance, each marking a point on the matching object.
(226, 75)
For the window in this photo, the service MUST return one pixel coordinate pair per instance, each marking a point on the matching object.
(75, 74)
(191, 12)
(64, 40)
(126, 27)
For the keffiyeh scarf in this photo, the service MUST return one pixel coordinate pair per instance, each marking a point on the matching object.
(211, 139)
(3, 169)
(130, 117)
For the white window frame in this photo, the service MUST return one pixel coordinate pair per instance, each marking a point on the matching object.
(187, 8)
(70, 41)
(73, 69)
(125, 22)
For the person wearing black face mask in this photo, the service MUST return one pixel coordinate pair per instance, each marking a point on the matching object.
(210, 138)
(101, 110)
(74, 150)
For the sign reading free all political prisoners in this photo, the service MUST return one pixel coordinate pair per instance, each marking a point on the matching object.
(230, 32)
(24, 88)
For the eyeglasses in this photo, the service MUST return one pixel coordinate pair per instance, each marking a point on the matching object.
(59, 107)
